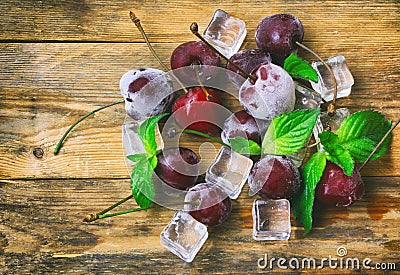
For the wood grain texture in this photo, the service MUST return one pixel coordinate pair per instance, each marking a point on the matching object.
(61, 59)
(42, 231)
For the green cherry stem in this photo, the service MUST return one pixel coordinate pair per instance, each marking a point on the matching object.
(59, 144)
(379, 144)
(188, 131)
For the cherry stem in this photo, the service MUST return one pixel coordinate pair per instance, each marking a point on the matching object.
(312, 145)
(378, 145)
(208, 96)
(136, 21)
(59, 144)
(331, 107)
(189, 131)
(195, 30)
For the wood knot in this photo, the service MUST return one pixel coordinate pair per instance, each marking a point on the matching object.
(38, 152)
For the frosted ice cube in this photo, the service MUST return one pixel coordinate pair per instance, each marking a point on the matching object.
(229, 171)
(327, 122)
(184, 236)
(342, 74)
(272, 94)
(132, 142)
(147, 92)
(305, 99)
(225, 32)
(271, 220)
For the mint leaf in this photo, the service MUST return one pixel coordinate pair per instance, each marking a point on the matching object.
(302, 205)
(360, 132)
(146, 132)
(298, 68)
(245, 146)
(288, 133)
(336, 153)
(136, 157)
(142, 184)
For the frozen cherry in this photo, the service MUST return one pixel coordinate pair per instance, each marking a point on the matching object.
(336, 188)
(272, 93)
(274, 177)
(196, 110)
(194, 53)
(178, 167)
(247, 60)
(244, 125)
(208, 204)
(147, 92)
(278, 35)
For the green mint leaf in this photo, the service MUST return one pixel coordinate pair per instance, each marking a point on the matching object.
(146, 132)
(142, 184)
(358, 130)
(244, 146)
(298, 68)
(336, 153)
(302, 205)
(288, 133)
(136, 157)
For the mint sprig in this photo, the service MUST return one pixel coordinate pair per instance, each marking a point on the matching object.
(356, 138)
(298, 68)
(245, 146)
(302, 206)
(288, 133)
(141, 176)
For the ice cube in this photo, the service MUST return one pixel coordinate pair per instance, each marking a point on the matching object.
(305, 99)
(225, 32)
(327, 122)
(131, 141)
(271, 220)
(342, 74)
(184, 236)
(272, 94)
(229, 171)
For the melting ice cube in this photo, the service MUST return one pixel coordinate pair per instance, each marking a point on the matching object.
(271, 220)
(184, 236)
(225, 32)
(229, 171)
(342, 74)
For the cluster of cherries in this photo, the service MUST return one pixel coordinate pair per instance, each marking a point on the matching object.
(276, 38)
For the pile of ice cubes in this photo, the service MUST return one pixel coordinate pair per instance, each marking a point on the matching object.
(184, 236)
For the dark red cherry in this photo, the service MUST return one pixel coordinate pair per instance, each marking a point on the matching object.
(208, 204)
(278, 35)
(274, 177)
(196, 110)
(336, 188)
(192, 53)
(178, 167)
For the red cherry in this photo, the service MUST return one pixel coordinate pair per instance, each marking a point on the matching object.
(196, 110)
(336, 188)
(194, 53)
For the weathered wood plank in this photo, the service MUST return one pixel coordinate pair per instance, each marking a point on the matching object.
(41, 230)
(44, 88)
(168, 21)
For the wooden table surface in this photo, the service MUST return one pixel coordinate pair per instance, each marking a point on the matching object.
(61, 59)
